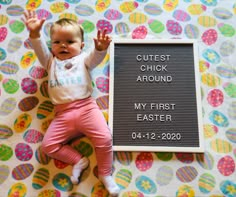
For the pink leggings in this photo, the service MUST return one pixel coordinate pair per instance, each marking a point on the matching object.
(71, 120)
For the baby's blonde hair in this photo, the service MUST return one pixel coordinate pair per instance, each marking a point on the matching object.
(65, 22)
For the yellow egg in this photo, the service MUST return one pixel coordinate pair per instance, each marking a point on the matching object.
(18, 189)
(3, 19)
(27, 59)
(33, 4)
(102, 5)
(209, 130)
(207, 21)
(221, 146)
(22, 122)
(211, 80)
(196, 9)
(69, 16)
(128, 6)
(137, 18)
(170, 5)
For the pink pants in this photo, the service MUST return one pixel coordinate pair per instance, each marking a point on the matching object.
(71, 120)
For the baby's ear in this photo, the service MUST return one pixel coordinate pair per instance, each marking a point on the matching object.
(82, 45)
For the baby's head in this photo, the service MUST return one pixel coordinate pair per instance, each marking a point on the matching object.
(67, 38)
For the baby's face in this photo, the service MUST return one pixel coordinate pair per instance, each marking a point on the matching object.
(66, 43)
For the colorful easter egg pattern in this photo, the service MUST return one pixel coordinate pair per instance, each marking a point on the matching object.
(50, 193)
(144, 161)
(10, 86)
(28, 103)
(33, 136)
(60, 164)
(227, 48)
(6, 152)
(84, 10)
(18, 189)
(22, 171)
(27, 59)
(139, 32)
(22, 122)
(104, 24)
(3, 54)
(14, 44)
(226, 29)
(83, 147)
(145, 185)
(218, 118)
(164, 175)
(128, 6)
(112, 14)
(211, 56)
(41, 157)
(23, 152)
(132, 194)
(102, 102)
(209, 130)
(69, 16)
(102, 84)
(38, 72)
(186, 173)
(9, 67)
(40, 178)
(210, 80)
(207, 21)
(185, 157)
(44, 109)
(185, 190)
(232, 110)
(156, 26)
(191, 31)
(4, 173)
(196, 9)
(222, 13)
(16, 26)
(102, 5)
(228, 188)
(122, 29)
(226, 71)
(15, 10)
(173, 27)
(123, 178)
(170, 5)
(5, 132)
(3, 33)
(8, 105)
(59, 7)
(209, 37)
(29, 86)
(3, 19)
(44, 89)
(215, 97)
(203, 66)
(77, 194)
(137, 18)
(42, 13)
(181, 15)
(99, 190)
(231, 134)
(32, 4)
(153, 9)
(220, 146)
(164, 156)
(205, 160)
(209, 3)
(226, 165)
(230, 89)
(124, 158)
(88, 26)
(206, 183)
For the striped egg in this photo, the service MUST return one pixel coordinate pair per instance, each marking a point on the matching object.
(210, 36)
(211, 56)
(32, 4)
(128, 6)
(42, 13)
(68, 16)
(164, 175)
(218, 118)
(3, 33)
(83, 147)
(4, 173)
(3, 54)
(156, 26)
(84, 10)
(210, 80)
(99, 190)
(226, 29)
(124, 158)
(10, 86)
(73, 1)
(231, 134)
(29, 86)
(40, 178)
(67, 184)
(144, 161)
(137, 18)
(27, 44)
(7, 106)
(232, 110)
(27, 59)
(45, 124)
(15, 10)
(58, 7)
(16, 26)
(230, 89)
(112, 14)
(60, 164)
(44, 109)
(203, 66)
(185, 157)
(185, 190)
(22, 171)
(132, 194)
(153, 9)
(206, 183)
(209, 130)
(87, 25)
(9, 67)
(3, 19)
(207, 21)
(145, 184)
(5, 132)
(77, 194)
(215, 97)
(191, 31)
(174, 28)
(103, 102)
(226, 165)
(6, 153)
(123, 178)
(181, 15)
(222, 13)
(19, 189)
(227, 48)
(22, 122)
(196, 9)
(38, 72)
(170, 5)
(122, 29)
(102, 5)
(41, 157)
(209, 3)
(33, 136)
(139, 32)
(205, 160)
(186, 173)
(104, 24)
(44, 89)
(49, 193)
(14, 44)
(28, 103)
(220, 146)
(23, 152)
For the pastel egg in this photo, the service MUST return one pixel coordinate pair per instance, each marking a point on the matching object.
(226, 29)
(196, 9)
(215, 97)
(6, 153)
(102, 5)
(185, 157)
(22, 171)
(40, 178)
(103, 102)
(144, 161)
(14, 44)
(228, 187)
(209, 130)
(231, 134)
(104, 24)
(209, 37)
(123, 178)
(186, 173)
(205, 160)
(44, 89)
(62, 182)
(164, 175)
(139, 32)
(32, 4)
(83, 147)
(29, 86)
(230, 89)
(15, 10)
(122, 29)
(112, 14)
(226, 71)
(218, 118)
(191, 31)
(170, 5)
(128, 6)
(226, 165)
(3, 19)
(45, 109)
(174, 28)
(42, 13)
(206, 183)
(124, 158)
(137, 18)
(88, 26)
(181, 15)
(210, 80)
(77, 194)
(7, 106)
(164, 156)
(99, 190)
(145, 184)
(69, 16)
(60, 164)
(33, 136)
(38, 72)
(3, 54)
(18, 189)
(4, 2)
(209, 3)
(221, 146)
(84, 10)
(222, 13)
(28, 103)
(5, 132)
(211, 56)
(58, 7)
(28, 59)
(49, 193)
(227, 48)
(207, 21)
(3, 33)
(41, 157)
(185, 190)
(23, 152)
(16, 26)
(4, 169)
(11, 86)
(27, 44)
(73, 1)
(156, 26)
(203, 66)
(153, 9)
(22, 122)
(232, 110)
(132, 194)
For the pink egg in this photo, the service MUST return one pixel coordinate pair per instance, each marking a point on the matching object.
(144, 161)
(140, 32)
(215, 97)
(209, 37)
(112, 14)
(33, 136)
(104, 24)
(102, 84)
(185, 157)
(23, 152)
(3, 33)
(29, 86)
(181, 15)
(226, 165)
(174, 28)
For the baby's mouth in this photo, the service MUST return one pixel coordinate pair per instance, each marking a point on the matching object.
(64, 52)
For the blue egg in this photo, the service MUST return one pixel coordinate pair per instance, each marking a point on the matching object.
(218, 118)
(211, 56)
(145, 185)
(3, 54)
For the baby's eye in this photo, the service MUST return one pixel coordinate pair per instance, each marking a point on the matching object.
(70, 41)
(56, 42)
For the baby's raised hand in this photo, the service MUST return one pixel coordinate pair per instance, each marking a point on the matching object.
(102, 41)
